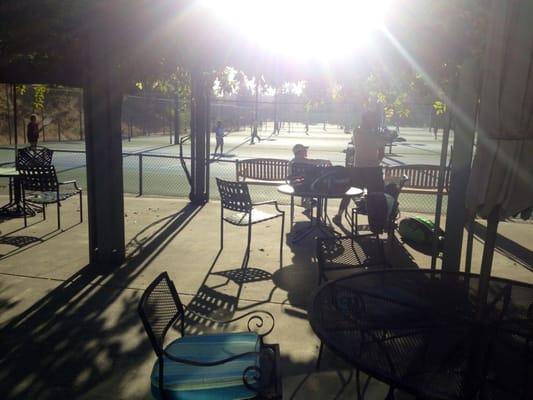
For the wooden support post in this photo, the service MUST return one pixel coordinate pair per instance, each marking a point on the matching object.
(463, 145)
(199, 139)
(103, 106)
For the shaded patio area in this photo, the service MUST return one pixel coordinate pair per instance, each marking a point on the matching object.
(70, 330)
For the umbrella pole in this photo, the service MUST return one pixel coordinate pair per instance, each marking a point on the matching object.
(486, 261)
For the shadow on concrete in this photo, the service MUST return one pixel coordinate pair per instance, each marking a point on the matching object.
(19, 241)
(24, 242)
(219, 295)
(300, 278)
(507, 247)
(64, 346)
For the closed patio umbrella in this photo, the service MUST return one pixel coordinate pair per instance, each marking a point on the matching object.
(501, 179)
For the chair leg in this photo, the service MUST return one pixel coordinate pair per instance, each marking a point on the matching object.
(24, 212)
(361, 391)
(81, 208)
(321, 349)
(355, 222)
(221, 231)
(281, 241)
(247, 255)
(390, 394)
(292, 212)
(58, 216)
(352, 223)
(44, 212)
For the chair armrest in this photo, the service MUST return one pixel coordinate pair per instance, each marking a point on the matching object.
(272, 202)
(72, 182)
(7, 163)
(211, 363)
(262, 203)
(255, 319)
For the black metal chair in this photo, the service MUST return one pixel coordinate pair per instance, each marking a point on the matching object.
(40, 186)
(235, 196)
(346, 255)
(392, 189)
(236, 365)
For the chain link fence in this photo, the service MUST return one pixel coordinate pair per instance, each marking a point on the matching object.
(147, 174)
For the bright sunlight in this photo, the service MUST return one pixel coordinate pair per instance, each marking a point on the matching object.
(304, 28)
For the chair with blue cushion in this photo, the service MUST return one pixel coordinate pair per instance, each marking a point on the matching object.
(212, 366)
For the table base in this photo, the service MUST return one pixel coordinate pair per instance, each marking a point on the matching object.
(321, 224)
(17, 210)
(318, 227)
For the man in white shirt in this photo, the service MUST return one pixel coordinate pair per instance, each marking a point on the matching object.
(366, 171)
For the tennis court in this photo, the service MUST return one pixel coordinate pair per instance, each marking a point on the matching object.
(151, 164)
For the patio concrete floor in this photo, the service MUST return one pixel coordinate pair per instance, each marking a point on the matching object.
(70, 330)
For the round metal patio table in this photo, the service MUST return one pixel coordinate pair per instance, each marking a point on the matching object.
(422, 331)
(320, 225)
(14, 207)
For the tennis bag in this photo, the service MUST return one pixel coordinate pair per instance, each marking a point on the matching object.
(418, 230)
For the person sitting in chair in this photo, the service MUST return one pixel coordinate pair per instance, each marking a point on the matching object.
(298, 177)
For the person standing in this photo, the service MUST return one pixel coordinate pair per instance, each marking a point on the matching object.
(254, 134)
(219, 136)
(369, 150)
(32, 131)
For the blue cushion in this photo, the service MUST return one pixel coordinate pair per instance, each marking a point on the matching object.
(224, 381)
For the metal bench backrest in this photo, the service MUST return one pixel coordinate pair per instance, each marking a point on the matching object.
(420, 176)
(264, 169)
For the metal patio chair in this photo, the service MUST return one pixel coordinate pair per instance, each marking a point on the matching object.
(235, 196)
(229, 365)
(346, 255)
(393, 189)
(40, 186)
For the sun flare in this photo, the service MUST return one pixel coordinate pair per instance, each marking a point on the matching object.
(304, 28)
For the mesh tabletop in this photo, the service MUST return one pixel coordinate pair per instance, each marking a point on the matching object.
(420, 331)
(291, 190)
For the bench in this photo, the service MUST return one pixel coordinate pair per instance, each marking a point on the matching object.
(265, 171)
(422, 178)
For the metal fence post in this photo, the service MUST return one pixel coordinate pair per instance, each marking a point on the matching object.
(140, 174)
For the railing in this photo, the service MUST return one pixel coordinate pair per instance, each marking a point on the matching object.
(149, 174)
